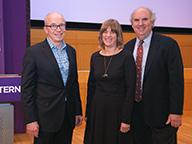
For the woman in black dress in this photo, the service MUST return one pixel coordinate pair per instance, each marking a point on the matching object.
(111, 89)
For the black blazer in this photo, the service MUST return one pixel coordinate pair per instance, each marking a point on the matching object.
(43, 92)
(163, 83)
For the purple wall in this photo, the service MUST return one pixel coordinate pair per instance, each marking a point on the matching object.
(2, 67)
(13, 40)
(14, 23)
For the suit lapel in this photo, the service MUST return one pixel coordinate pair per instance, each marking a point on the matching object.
(53, 62)
(70, 57)
(151, 54)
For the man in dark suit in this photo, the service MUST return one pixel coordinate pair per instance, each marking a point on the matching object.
(158, 103)
(50, 88)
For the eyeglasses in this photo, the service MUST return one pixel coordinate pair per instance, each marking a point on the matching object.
(54, 26)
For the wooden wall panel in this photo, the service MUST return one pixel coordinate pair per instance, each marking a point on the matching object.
(83, 78)
(188, 89)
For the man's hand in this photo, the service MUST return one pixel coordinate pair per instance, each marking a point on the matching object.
(124, 127)
(32, 129)
(175, 120)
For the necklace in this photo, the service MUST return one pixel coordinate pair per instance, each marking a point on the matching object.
(106, 66)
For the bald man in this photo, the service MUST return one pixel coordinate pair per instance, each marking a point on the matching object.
(50, 88)
(158, 105)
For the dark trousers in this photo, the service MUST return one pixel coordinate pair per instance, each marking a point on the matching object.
(63, 136)
(144, 134)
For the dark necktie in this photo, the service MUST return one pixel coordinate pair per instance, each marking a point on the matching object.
(138, 95)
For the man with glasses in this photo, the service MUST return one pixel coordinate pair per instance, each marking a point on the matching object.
(50, 88)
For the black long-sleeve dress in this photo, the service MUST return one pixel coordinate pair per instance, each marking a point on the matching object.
(110, 98)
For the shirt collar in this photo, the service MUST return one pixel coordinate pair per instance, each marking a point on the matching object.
(147, 40)
(53, 46)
